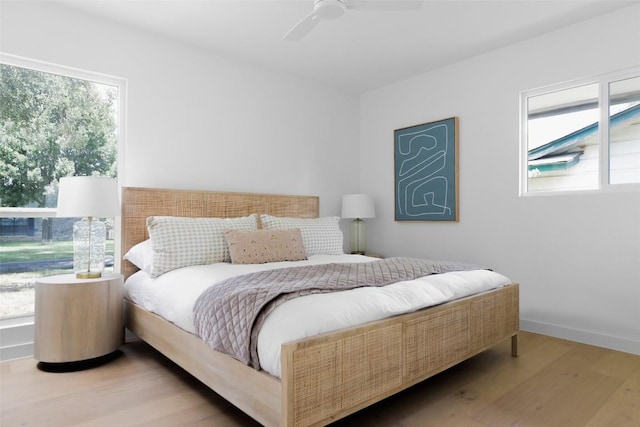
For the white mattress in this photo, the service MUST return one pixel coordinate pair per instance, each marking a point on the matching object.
(174, 294)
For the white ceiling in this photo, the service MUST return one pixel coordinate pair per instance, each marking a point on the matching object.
(361, 50)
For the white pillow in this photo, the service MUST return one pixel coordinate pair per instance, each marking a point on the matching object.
(141, 255)
(180, 242)
(320, 236)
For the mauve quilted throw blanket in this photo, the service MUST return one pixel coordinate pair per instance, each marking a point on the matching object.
(228, 315)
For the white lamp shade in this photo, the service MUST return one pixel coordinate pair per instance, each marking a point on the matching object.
(84, 196)
(357, 206)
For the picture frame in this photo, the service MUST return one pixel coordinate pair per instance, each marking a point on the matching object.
(426, 171)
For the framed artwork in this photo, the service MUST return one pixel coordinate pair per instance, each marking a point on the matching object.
(426, 171)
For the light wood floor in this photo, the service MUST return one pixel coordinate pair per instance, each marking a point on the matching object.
(553, 383)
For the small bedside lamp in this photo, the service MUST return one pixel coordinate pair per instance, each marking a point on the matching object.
(89, 197)
(358, 206)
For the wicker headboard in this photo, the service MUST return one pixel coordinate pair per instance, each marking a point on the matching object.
(140, 203)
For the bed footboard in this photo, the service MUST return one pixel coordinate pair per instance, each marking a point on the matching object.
(330, 376)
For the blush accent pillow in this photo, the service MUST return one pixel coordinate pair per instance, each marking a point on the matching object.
(320, 236)
(180, 242)
(261, 246)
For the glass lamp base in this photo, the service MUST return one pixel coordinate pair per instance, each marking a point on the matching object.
(89, 240)
(358, 236)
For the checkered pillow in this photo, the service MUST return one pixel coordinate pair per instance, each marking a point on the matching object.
(179, 242)
(320, 236)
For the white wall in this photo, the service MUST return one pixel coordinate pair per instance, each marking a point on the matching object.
(197, 120)
(577, 257)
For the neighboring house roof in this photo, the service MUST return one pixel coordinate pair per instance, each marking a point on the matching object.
(564, 152)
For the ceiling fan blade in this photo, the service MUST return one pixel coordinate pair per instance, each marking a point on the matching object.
(384, 4)
(302, 28)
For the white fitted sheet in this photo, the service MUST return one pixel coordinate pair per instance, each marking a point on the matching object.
(173, 295)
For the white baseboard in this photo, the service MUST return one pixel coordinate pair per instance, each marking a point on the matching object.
(19, 351)
(129, 336)
(16, 338)
(585, 337)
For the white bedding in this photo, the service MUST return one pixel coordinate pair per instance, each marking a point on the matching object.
(173, 295)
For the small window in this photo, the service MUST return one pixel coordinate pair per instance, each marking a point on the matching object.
(624, 131)
(564, 148)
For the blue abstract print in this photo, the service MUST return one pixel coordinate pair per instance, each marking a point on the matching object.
(425, 172)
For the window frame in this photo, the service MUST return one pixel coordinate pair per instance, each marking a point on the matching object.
(603, 81)
(121, 84)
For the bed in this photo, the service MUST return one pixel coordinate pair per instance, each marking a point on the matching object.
(322, 378)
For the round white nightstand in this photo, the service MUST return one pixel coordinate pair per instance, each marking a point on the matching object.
(77, 319)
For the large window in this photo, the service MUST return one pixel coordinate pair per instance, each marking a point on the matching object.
(583, 135)
(54, 122)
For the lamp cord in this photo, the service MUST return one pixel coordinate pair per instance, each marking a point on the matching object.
(89, 264)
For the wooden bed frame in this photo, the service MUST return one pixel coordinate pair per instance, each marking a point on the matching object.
(329, 376)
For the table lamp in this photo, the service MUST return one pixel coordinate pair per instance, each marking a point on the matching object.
(358, 206)
(89, 197)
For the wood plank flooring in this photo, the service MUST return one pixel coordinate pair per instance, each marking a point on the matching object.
(553, 383)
